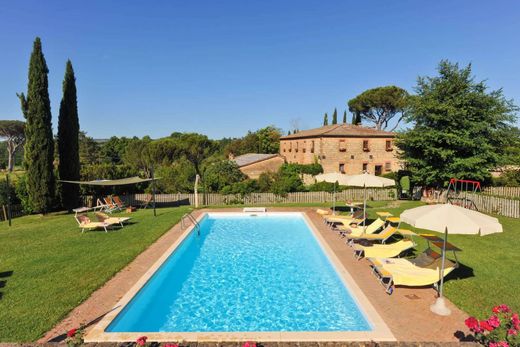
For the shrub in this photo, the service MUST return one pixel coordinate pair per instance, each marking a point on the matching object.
(12, 193)
(501, 329)
(23, 195)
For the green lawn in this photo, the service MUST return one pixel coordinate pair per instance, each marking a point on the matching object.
(47, 267)
(55, 267)
(489, 270)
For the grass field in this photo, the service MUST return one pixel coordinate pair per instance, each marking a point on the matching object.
(47, 267)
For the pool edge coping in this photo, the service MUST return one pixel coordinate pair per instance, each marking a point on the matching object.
(380, 331)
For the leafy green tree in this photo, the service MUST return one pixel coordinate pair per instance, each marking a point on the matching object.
(380, 105)
(195, 148)
(114, 149)
(177, 177)
(221, 174)
(89, 150)
(345, 117)
(460, 128)
(335, 117)
(265, 181)
(325, 119)
(14, 133)
(39, 146)
(265, 140)
(269, 139)
(68, 141)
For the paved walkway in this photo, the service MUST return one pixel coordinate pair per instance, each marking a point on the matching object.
(406, 311)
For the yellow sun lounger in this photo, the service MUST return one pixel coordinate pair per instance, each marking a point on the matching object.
(323, 212)
(104, 218)
(401, 272)
(383, 250)
(369, 229)
(85, 224)
(380, 237)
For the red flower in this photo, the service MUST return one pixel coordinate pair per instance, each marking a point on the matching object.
(249, 344)
(516, 321)
(141, 341)
(512, 332)
(471, 323)
(499, 344)
(486, 326)
(501, 309)
(71, 332)
(494, 321)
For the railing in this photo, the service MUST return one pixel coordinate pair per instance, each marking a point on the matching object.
(192, 219)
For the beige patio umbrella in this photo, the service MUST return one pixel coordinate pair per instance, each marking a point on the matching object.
(332, 177)
(456, 219)
(367, 180)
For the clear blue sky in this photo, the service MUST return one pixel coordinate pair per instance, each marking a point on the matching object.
(224, 67)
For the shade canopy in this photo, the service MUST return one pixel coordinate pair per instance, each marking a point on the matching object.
(118, 182)
(368, 180)
(332, 177)
(456, 219)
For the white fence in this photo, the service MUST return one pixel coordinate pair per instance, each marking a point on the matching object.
(497, 205)
(259, 198)
(512, 192)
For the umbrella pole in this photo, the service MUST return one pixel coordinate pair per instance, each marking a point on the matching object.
(439, 307)
(334, 200)
(364, 206)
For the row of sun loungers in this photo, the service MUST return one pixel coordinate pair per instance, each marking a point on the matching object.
(104, 221)
(373, 243)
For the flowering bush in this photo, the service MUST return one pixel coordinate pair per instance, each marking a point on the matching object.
(141, 341)
(75, 336)
(501, 329)
(249, 344)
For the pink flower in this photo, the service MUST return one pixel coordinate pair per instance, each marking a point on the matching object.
(249, 344)
(471, 323)
(512, 332)
(141, 341)
(516, 321)
(499, 344)
(486, 326)
(71, 332)
(494, 321)
(501, 309)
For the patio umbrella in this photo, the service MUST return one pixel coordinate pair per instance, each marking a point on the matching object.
(456, 219)
(367, 180)
(332, 177)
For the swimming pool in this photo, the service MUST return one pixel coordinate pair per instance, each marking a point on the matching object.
(244, 273)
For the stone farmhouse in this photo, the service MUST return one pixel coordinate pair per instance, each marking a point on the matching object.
(344, 148)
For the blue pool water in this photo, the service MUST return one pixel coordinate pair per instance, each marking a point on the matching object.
(244, 273)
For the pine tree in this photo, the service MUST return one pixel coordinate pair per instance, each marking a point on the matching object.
(335, 117)
(39, 146)
(68, 140)
(325, 119)
(289, 132)
(345, 117)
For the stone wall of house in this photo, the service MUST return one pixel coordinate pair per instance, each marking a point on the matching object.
(269, 165)
(346, 154)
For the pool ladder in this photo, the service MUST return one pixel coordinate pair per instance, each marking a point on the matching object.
(193, 220)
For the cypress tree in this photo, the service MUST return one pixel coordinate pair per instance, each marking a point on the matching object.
(39, 144)
(356, 118)
(289, 132)
(345, 117)
(325, 119)
(68, 140)
(335, 117)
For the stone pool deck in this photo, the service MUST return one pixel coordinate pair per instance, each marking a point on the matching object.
(406, 311)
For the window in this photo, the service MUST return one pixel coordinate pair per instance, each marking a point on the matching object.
(365, 146)
(365, 167)
(296, 150)
(290, 146)
(304, 149)
(389, 146)
(351, 157)
(342, 146)
(388, 166)
(342, 168)
(312, 147)
(378, 170)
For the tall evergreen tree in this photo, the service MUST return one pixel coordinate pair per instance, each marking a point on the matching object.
(356, 118)
(345, 117)
(68, 140)
(335, 117)
(39, 145)
(326, 119)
